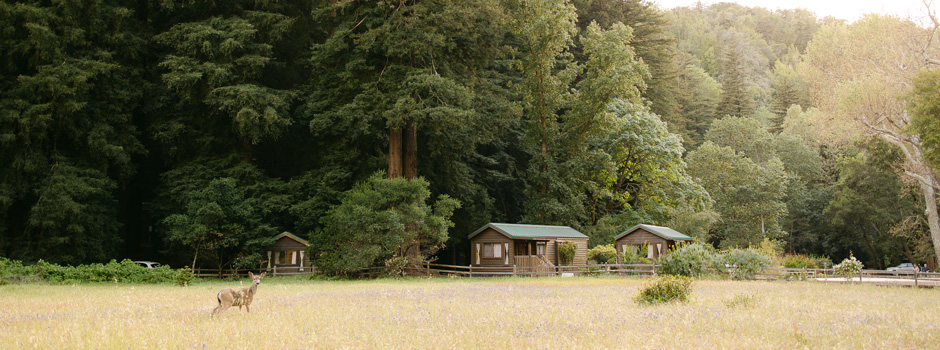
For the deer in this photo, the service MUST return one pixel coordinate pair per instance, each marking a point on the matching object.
(229, 297)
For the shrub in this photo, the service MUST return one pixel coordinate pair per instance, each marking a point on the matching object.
(848, 267)
(12, 271)
(664, 289)
(742, 300)
(632, 256)
(744, 263)
(799, 261)
(184, 276)
(692, 259)
(822, 261)
(566, 252)
(603, 254)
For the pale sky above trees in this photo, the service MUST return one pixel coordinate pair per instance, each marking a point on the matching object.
(849, 10)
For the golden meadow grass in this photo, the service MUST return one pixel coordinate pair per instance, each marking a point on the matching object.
(569, 313)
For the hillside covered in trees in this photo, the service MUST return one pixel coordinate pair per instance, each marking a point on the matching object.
(386, 131)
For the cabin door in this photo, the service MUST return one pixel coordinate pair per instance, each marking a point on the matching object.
(522, 248)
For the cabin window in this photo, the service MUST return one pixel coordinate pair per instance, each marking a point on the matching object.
(287, 257)
(492, 250)
(650, 253)
(540, 248)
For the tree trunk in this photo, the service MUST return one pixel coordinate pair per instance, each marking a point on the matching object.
(394, 153)
(933, 218)
(544, 189)
(410, 160)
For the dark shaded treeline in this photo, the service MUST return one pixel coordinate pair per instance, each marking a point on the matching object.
(192, 132)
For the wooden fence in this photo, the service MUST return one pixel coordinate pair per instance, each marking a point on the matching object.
(535, 271)
(273, 271)
(881, 277)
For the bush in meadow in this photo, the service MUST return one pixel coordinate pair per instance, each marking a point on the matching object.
(743, 263)
(664, 289)
(691, 259)
(603, 254)
(184, 276)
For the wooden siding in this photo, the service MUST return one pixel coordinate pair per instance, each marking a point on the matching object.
(287, 243)
(283, 245)
(580, 254)
(490, 236)
(641, 237)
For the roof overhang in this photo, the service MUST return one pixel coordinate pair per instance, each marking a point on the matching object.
(292, 237)
(652, 229)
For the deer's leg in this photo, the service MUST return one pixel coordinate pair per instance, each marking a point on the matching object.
(225, 302)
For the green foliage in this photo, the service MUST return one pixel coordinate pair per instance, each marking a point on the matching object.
(869, 199)
(69, 78)
(824, 262)
(184, 276)
(645, 173)
(699, 94)
(126, 271)
(384, 222)
(217, 220)
(690, 259)
(743, 264)
(603, 254)
(566, 102)
(924, 107)
(799, 261)
(566, 252)
(748, 195)
(664, 289)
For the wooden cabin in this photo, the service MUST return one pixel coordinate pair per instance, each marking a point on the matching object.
(288, 252)
(507, 245)
(657, 240)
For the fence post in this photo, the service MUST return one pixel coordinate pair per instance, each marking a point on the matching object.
(915, 278)
(471, 271)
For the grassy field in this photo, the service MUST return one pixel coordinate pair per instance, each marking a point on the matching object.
(569, 313)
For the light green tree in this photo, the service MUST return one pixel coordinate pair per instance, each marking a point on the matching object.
(385, 222)
(749, 196)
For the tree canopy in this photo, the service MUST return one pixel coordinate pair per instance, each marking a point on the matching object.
(194, 132)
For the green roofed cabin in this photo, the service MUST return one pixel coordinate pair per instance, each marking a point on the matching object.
(288, 253)
(520, 245)
(657, 239)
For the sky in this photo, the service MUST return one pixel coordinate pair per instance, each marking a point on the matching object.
(844, 9)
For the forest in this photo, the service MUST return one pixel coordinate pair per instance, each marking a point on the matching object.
(384, 132)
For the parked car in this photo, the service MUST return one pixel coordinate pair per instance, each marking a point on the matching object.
(904, 267)
(148, 264)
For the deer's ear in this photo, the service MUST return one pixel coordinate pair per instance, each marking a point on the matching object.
(251, 274)
(263, 273)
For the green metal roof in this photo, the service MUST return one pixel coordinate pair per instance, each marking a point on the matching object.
(523, 231)
(292, 236)
(663, 232)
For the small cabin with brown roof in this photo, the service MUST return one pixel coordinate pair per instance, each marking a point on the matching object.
(657, 239)
(288, 252)
(521, 245)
